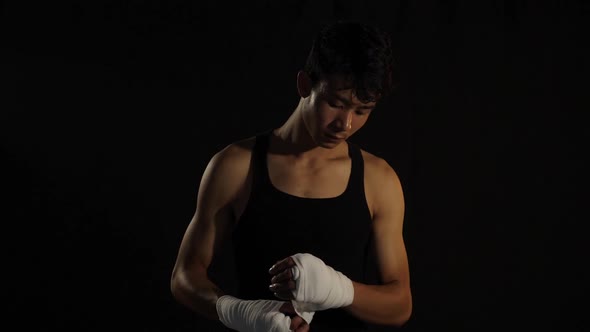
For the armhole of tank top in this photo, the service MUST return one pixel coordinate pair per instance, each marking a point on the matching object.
(370, 272)
(357, 169)
(257, 174)
(359, 182)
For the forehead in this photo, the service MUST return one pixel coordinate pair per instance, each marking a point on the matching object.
(340, 87)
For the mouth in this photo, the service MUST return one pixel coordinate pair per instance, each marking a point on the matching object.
(334, 138)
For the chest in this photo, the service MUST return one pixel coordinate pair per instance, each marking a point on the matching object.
(326, 180)
(309, 180)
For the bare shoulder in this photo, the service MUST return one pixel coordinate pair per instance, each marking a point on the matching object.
(227, 171)
(236, 152)
(378, 169)
(233, 160)
(382, 184)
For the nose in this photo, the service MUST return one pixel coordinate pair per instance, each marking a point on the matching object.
(344, 121)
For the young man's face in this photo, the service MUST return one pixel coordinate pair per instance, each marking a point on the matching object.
(335, 113)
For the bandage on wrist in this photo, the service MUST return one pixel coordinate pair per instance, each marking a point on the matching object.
(319, 286)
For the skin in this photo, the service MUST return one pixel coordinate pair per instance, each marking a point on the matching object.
(304, 159)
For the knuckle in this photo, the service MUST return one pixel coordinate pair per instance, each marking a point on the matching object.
(276, 320)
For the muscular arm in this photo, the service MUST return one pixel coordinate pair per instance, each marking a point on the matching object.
(213, 217)
(391, 302)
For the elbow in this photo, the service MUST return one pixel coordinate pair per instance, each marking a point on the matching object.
(401, 320)
(181, 290)
(176, 286)
(186, 285)
(403, 316)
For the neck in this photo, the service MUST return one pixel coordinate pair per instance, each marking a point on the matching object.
(293, 138)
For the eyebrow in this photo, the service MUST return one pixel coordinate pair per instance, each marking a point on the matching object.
(347, 102)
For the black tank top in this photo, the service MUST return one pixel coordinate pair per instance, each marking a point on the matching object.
(275, 225)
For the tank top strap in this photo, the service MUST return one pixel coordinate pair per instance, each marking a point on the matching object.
(356, 185)
(259, 151)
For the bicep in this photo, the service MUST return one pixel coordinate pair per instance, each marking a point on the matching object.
(212, 218)
(203, 235)
(388, 222)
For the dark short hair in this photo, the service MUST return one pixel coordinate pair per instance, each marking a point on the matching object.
(358, 52)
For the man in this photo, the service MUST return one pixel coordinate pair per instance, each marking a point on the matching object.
(316, 222)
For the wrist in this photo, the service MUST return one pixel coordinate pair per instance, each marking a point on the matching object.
(319, 286)
(224, 306)
(342, 292)
(347, 290)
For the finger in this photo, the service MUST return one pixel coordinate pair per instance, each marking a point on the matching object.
(285, 275)
(284, 295)
(287, 309)
(304, 327)
(281, 265)
(296, 323)
(282, 286)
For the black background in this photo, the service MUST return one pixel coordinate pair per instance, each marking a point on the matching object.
(112, 109)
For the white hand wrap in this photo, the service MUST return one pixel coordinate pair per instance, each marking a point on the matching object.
(318, 286)
(252, 315)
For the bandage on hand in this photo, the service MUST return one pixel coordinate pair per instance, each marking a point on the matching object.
(254, 315)
(318, 286)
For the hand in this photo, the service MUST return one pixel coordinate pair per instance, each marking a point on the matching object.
(282, 284)
(259, 315)
(310, 283)
(298, 323)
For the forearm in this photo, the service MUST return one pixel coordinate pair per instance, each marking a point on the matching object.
(388, 304)
(197, 293)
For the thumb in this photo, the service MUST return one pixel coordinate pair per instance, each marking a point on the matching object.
(280, 322)
(287, 309)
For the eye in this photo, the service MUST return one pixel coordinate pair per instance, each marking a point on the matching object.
(361, 113)
(335, 105)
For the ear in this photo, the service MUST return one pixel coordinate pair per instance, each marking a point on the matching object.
(303, 84)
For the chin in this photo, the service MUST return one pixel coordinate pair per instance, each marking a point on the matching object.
(329, 145)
